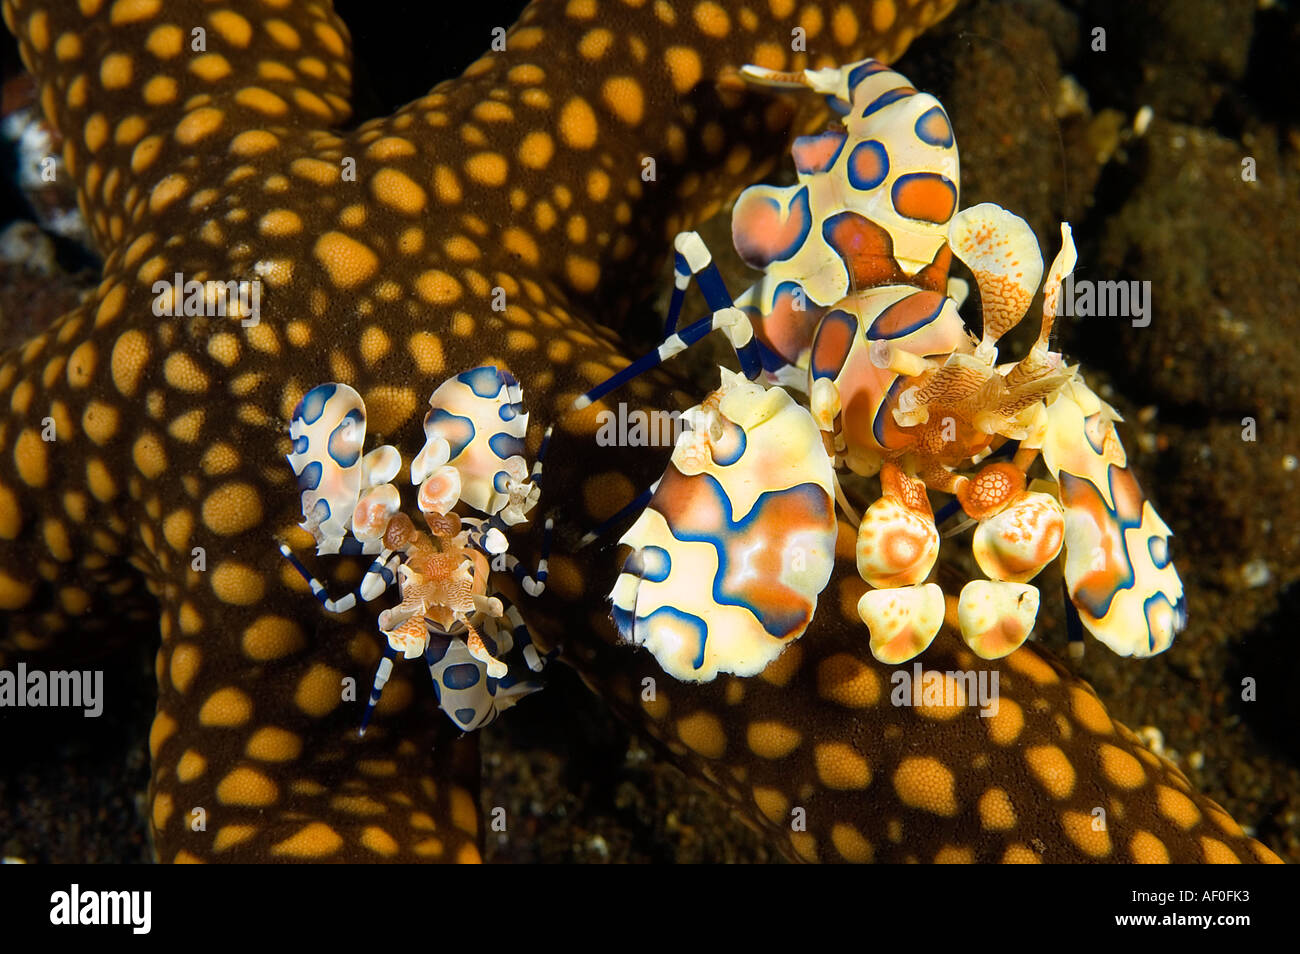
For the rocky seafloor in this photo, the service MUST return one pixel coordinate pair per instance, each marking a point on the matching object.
(1141, 146)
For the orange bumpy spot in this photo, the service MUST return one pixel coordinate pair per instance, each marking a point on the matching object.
(1120, 768)
(1052, 769)
(1177, 807)
(996, 811)
(991, 489)
(772, 739)
(839, 766)
(487, 168)
(226, 707)
(1090, 838)
(927, 784)
(398, 191)
(1146, 849)
(578, 126)
(347, 261)
(703, 732)
(316, 840)
(848, 681)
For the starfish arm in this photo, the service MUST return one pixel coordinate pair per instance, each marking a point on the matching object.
(144, 93)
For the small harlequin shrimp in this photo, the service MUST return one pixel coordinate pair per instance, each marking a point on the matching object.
(854, 307)
(478, 649)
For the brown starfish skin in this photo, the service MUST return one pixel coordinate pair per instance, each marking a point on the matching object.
(525, 176)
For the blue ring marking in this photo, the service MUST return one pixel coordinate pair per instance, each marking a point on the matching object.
(465, 717)
(838, 106)
(461, 676)
(882, 154)
(1069, 482)
(799, 206)
(320, 511)
(438, 646)
(732, 434)
(313, 403)
(433, 427)
(888, 98)
(649, 563)
(339, 451)
(508, 412)
(700, 627)
(1179, 614)
(501, 482)
(506, 445)
(309, 478)
(933, 116)
(779, 627)
(1158, 547)
(300, 444)
(486, 381)
(879, 421)
(810, 140)
(905, 180)
(873, 335)
(1087, 422)
(862, 71)
(838, 316)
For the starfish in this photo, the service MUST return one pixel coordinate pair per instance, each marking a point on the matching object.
(144, 444)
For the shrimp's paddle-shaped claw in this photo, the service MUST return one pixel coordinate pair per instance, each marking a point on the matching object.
(476, 423)
(1118, 566)
(328, 430)
(898, 542)
(1001, 251)
(738, 540)
(996, 617)
(903, 621)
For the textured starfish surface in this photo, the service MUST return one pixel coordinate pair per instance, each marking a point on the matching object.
(381, 250)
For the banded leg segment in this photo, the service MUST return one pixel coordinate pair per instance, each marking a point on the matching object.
(377, 688)
(693, 258)
(381, 575)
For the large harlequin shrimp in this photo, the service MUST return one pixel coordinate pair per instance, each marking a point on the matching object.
(854, 308)
(747, 503)
(478, 649)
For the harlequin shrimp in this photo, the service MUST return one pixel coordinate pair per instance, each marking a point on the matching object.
(856, 309)
(475, 643)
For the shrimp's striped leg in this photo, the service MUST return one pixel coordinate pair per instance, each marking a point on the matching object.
(534, 658)
(635, 506)
(730, 319)
(536, 475)
(692, 258)
(381, 575)
(377, 689)
(488, 537)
